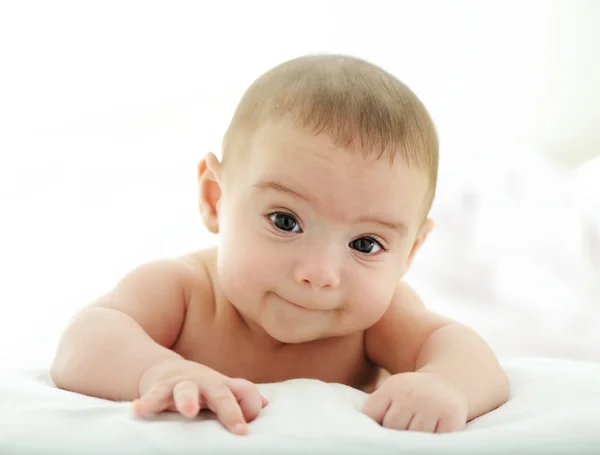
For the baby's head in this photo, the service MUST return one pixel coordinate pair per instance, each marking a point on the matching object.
(328, 172)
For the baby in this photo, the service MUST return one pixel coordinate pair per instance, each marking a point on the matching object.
(321, 202)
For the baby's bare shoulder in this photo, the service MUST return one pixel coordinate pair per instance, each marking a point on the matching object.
(156, 295)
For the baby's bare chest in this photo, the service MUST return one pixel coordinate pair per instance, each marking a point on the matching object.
(224, 347)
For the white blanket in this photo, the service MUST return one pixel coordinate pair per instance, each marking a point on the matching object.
(554, 408)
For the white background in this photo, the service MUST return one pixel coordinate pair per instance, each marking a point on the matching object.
(106, 107)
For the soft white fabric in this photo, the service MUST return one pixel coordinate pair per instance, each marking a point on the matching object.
(554, 408)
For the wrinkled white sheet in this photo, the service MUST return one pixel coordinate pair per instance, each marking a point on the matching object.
(554, 409)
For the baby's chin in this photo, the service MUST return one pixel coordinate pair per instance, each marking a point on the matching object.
(293, 336)
(301, 334)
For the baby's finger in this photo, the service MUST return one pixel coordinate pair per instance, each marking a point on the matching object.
(248, 397)
(397, 418)
(422, 422)
(376, 406)
(187, 399)
(156, 400)
(223, 403)
(448, 425)
(264, 401)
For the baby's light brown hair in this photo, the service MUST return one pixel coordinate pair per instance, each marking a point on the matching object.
(360, 105)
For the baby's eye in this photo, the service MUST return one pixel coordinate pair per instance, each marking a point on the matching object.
(285, 222)
(366, 245)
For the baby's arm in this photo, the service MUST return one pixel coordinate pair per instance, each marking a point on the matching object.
(109, 344)
(118, 348)
(409, 338)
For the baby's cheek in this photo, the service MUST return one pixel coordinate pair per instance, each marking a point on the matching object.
(243, 271)
(369, 308)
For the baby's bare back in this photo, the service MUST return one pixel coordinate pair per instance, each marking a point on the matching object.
(215, 335)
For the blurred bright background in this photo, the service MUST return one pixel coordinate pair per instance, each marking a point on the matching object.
(106, 108)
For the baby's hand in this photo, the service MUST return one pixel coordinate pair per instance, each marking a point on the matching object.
(418, 401)
(187, 387)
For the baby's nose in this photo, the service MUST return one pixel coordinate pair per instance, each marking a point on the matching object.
(321, 281)
(318, 273)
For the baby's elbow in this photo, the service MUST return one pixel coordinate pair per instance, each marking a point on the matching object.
(64, 366)
(503, 388)
(57, 372)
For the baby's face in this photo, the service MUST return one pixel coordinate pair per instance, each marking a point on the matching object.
(315, 238)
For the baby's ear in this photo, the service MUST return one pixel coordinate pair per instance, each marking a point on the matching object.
(209, 191)
(424, 231)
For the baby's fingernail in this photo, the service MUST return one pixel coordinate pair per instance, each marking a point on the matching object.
(240, 428)
(190, 408)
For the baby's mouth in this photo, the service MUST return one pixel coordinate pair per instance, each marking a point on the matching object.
(299, 306)
(294, 304)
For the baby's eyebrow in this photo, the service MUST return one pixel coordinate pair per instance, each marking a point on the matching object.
(270, 184)
(397, 226)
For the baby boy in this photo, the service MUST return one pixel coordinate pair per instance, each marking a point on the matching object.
(321, 201)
